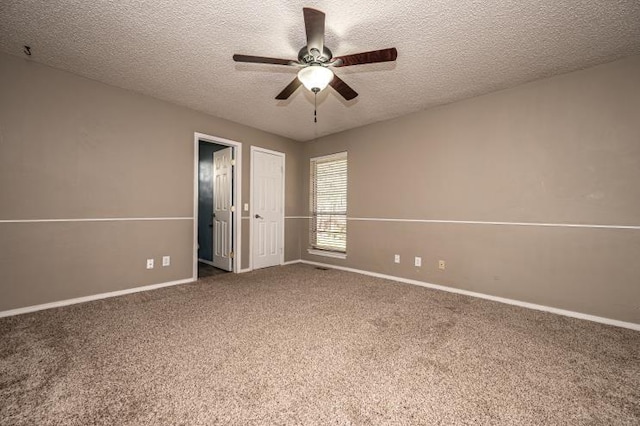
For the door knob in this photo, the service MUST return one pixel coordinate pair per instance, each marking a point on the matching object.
(257, 216)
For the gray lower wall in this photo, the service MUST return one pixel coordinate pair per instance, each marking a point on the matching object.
(48, 262)
(73, 148)
(564, 150)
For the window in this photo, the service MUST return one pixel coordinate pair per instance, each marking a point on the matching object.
(328, 204)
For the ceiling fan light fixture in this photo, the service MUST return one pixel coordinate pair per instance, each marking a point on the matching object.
(315, 60)
(315, 77)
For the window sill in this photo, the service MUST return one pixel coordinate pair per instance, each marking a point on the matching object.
(325, 253)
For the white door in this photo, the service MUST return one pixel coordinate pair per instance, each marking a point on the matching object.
(222, 210)
(268, 209)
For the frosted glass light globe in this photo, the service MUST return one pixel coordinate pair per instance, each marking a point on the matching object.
(315, 77)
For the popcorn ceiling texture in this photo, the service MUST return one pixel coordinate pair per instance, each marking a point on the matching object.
(180, 51)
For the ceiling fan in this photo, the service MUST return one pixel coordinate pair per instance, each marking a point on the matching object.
(315, 60)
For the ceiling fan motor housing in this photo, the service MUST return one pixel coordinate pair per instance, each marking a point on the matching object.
(305, 56)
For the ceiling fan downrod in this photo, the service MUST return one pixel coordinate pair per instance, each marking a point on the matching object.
(315, 104)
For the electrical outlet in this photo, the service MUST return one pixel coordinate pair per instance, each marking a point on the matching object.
(396, 258)
(149, 263)
(166, 260)
(418, 261)
(442, 264)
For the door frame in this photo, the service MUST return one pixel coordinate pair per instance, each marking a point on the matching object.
(236, 199)
(252, 240)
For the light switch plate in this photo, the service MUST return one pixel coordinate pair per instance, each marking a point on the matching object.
(418, 261)
(396, 258)
(166, 260)
(246, 207)
(149, 263)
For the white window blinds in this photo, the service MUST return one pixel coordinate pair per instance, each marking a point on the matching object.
(328, 199)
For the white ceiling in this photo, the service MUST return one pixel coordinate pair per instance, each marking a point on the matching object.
(180, 51)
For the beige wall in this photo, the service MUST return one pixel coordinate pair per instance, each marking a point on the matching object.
(75, 148)
(564, 150)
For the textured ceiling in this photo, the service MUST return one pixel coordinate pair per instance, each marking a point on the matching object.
(180, 51)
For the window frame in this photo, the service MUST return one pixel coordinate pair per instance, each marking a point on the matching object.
(314, 247)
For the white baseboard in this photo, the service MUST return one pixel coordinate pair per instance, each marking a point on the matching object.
(205, 261)
(76, 300)
(564, 312)
(242, 271)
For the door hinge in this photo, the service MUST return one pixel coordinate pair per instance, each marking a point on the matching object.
(232, 255)
(233, 162)
(233, 208)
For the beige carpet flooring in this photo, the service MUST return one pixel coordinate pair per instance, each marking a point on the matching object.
(297, 345)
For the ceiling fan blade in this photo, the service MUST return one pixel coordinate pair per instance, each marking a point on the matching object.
(383, 55)
(262, 60)
(343, 88)
(314, 25)
(288, 91)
